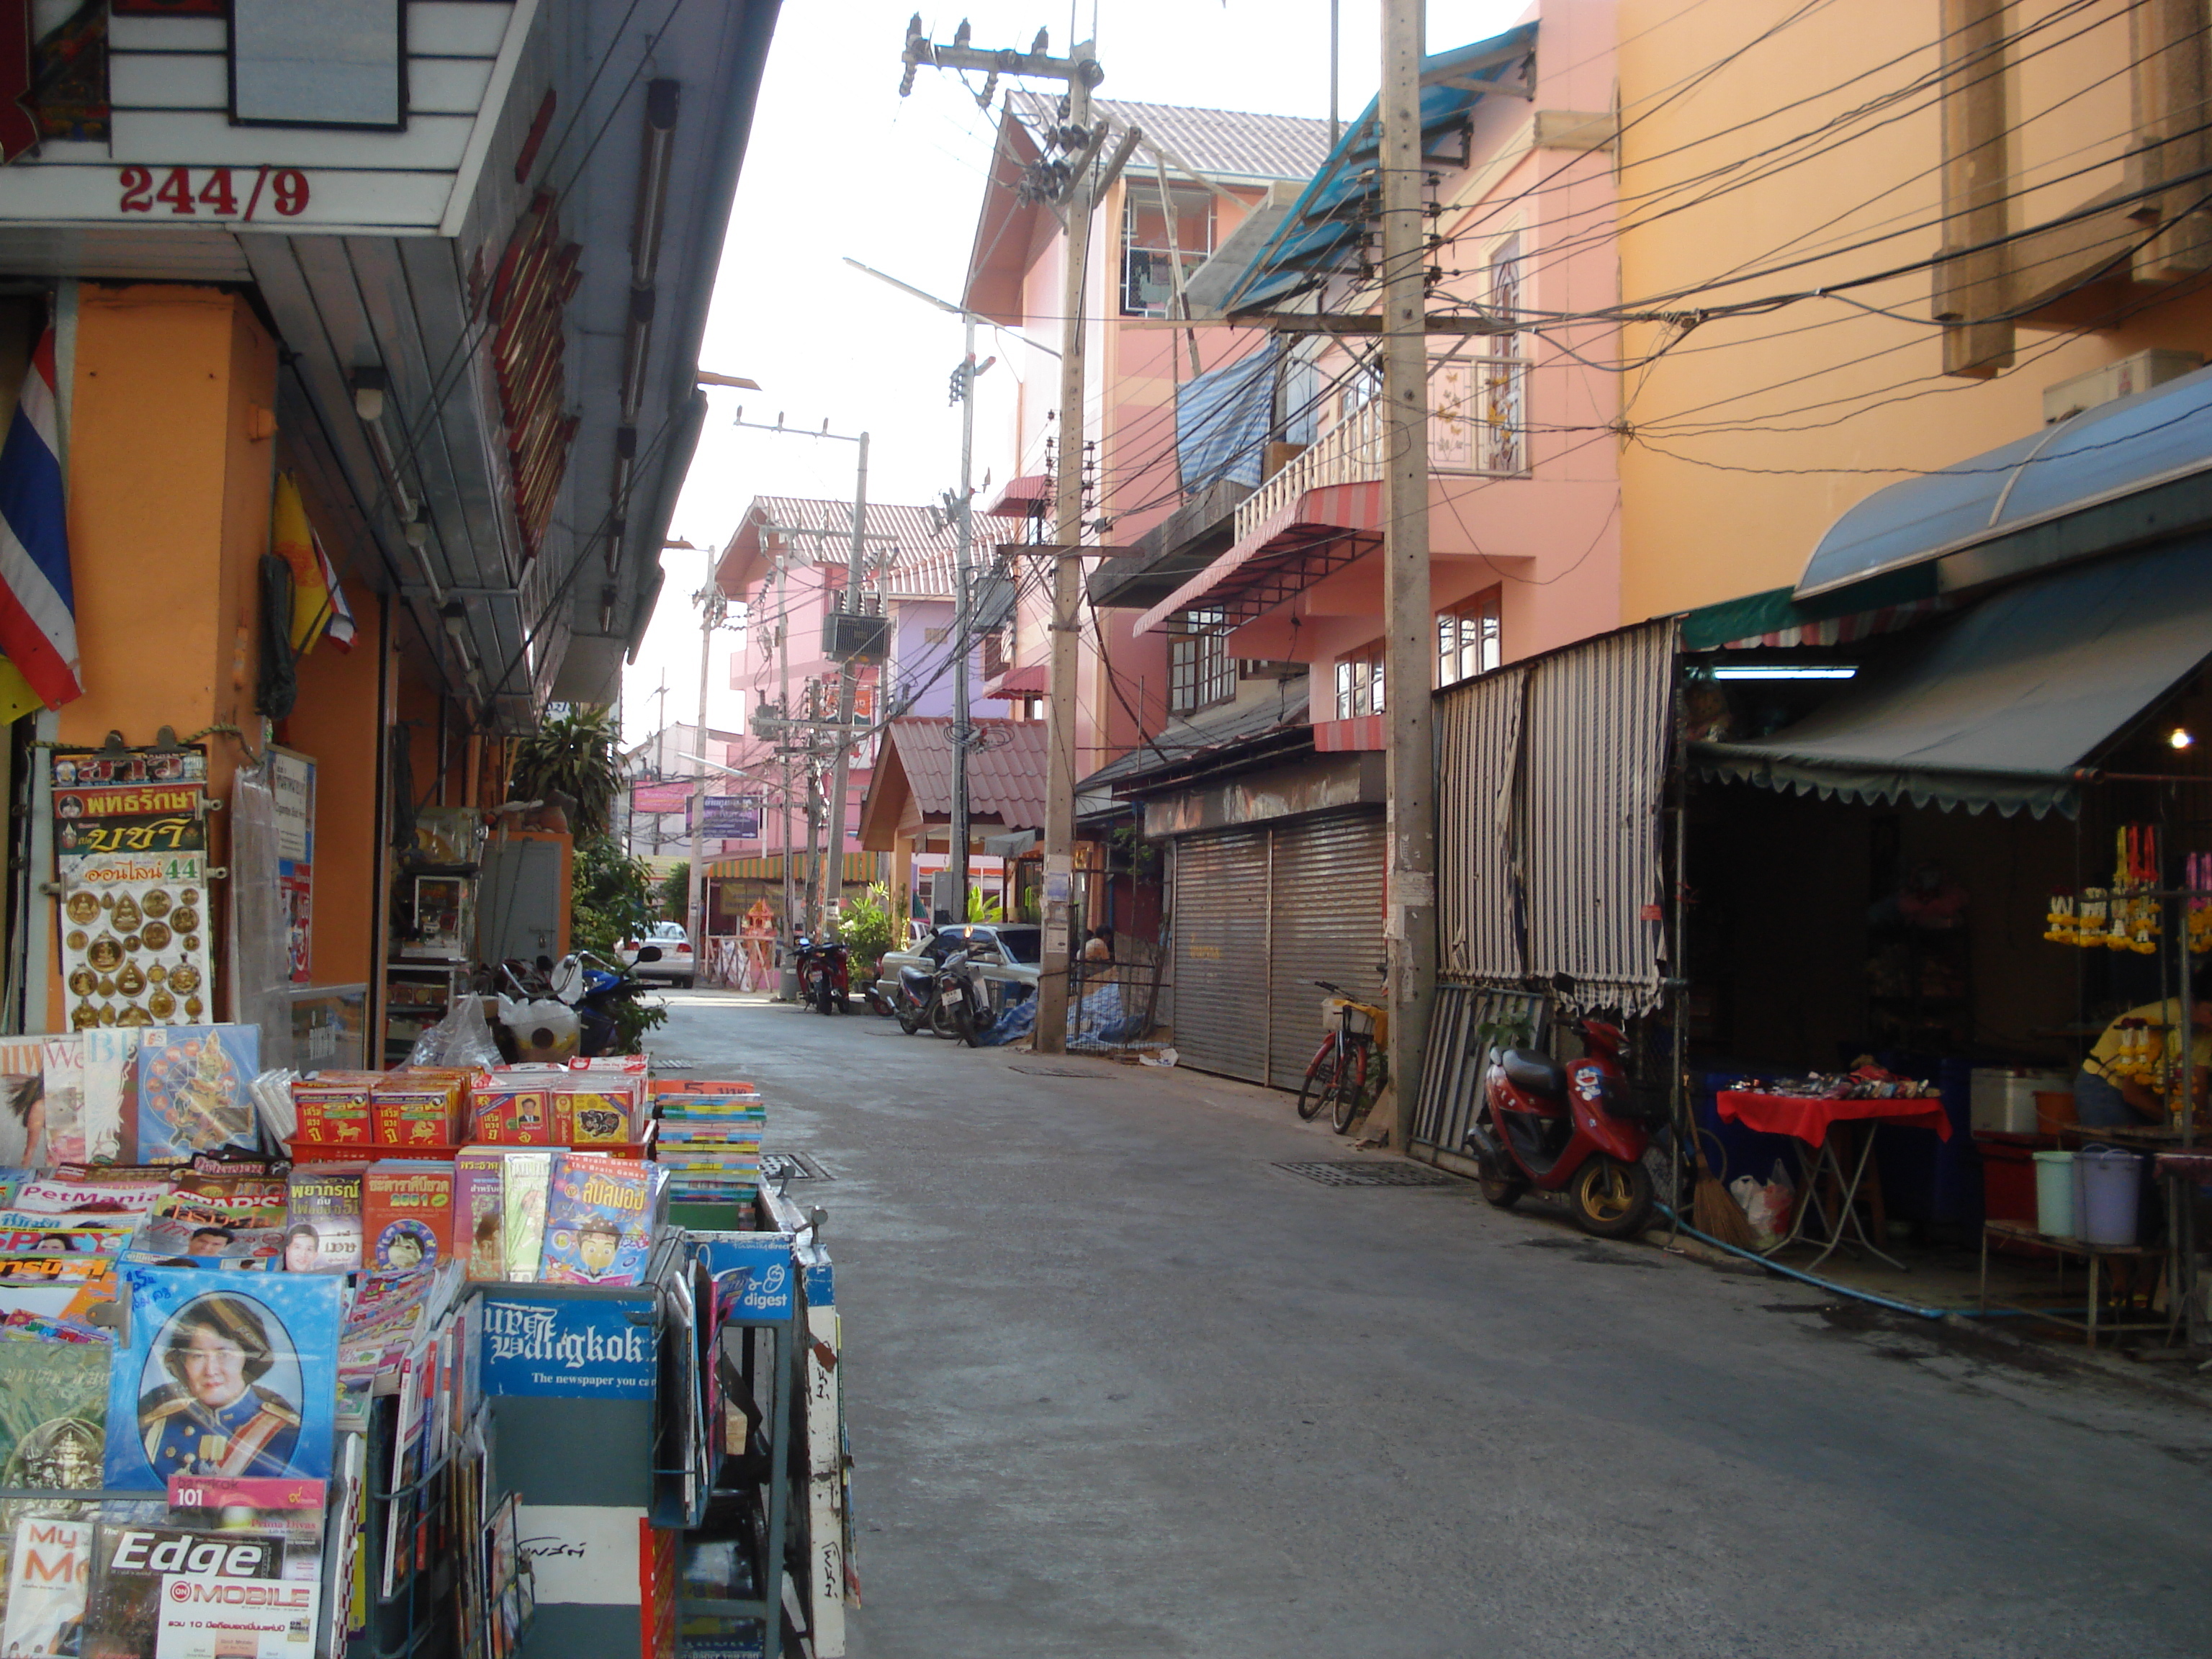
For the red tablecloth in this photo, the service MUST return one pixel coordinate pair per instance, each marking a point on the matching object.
(1809, 1118)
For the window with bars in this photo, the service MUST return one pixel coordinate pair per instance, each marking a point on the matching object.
(995, 653)
(1505, 377)
(1359, 684)
(1200, 671)
(1468, 638)
(1147, 259)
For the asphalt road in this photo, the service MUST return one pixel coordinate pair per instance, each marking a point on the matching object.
(1119, 1388)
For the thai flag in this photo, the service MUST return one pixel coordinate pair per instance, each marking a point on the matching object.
(37, 609)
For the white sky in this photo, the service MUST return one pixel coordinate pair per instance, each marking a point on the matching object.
(840, 164)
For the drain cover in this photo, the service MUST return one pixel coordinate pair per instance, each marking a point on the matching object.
(1369, 1172)
(792, 1166)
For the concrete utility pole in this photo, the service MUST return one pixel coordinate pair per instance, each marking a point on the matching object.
(849, 685)
(1076, 198)
(1410, 925)
(713, 608)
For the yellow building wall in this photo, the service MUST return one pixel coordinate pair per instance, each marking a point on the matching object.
(338, 721)
(1806, 159)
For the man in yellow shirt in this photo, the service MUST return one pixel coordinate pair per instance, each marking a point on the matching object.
(2106, 1097)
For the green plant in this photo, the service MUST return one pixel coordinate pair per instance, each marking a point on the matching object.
(674, 892)
(610, 897)
(867, 924)
(1140, 854)
(982, 906)
(573, 755)
(634, 1018)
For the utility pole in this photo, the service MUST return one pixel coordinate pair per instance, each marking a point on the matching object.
(783, 711)
(1073, 193)
(713, 608)
(1410, 920)
(849, 685)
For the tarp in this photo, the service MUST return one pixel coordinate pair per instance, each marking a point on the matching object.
(1222, 421)
(2111, 452)
(2001, 705)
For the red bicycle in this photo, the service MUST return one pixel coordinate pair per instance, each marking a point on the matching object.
(1349, 1069)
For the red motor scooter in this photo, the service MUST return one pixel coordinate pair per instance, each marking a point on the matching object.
(1566, 1128)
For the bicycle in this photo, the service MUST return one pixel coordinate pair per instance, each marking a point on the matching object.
(1338, 1075)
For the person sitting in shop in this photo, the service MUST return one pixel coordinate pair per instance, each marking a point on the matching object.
(2106, 1098)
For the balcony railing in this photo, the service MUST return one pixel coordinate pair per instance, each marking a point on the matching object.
(1478, 426)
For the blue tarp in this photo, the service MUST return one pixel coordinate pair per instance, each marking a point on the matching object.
(1223, 419)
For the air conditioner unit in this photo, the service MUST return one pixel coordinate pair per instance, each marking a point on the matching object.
(855, 636)
(2139, 372)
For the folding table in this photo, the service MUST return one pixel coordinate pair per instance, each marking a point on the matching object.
(1810, 1120)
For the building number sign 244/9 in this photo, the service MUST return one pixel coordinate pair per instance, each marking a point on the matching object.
(215, 192)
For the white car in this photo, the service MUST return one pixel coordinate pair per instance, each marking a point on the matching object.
(1007, 953)
(670, 956)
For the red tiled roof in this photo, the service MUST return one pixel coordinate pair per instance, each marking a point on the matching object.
(1028, 682)
(1005, 775)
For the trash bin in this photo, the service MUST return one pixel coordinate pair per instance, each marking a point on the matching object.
(2054, 1195)
(2107, 1191)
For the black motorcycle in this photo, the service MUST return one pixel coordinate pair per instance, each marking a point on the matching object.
(964, 998)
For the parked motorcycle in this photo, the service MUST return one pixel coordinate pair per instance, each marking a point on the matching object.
(1569, 1129)
(573, 1007)
(825, 974)
(964, 997)
(914, 1002)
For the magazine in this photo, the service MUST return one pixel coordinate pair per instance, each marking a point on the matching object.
(407, 1214)
(175, 1243)
(529, 1177)
(230, 1198)
(111, 1069)
(478, 1210)
(193, 1092)
(62, 1079)
(190, 1593)
(53, 1412)
(291, 1509)
(599, 1221)
(323, 1218)
(49, 1571)
(225, 1374)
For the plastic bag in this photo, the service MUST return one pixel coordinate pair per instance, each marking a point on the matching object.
(461, 1041)
(547, 1029)
(1767, 1204)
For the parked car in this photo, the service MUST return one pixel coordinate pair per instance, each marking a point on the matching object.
(1007, 954)
(674, 961)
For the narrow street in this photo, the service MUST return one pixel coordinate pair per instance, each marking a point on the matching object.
(1119, 1386)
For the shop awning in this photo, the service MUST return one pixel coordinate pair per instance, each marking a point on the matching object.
(1022, 496)
(1031, 680)
(2115, 475)
(1320, 531)
(2000, 706)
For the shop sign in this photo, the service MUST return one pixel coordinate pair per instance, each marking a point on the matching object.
(729, 817)
(567, 1349)
(658, 798)
(129, 831)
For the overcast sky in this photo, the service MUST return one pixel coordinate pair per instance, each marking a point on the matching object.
(840, 164)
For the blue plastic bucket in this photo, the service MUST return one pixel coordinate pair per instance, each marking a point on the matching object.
(2054, 1195)
(2107, 1183)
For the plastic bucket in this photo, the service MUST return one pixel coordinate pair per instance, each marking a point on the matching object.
(2107, 1184)
(2054, 1110)
(2054, 1195)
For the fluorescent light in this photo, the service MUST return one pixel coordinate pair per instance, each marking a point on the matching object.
(1786, 671)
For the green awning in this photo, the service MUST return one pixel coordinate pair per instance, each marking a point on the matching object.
(1756, 614)
(2001, 705)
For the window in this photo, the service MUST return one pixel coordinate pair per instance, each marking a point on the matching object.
(995, 654)
(1504, 392)
(1359, 684)
(1200, 671)
(1151, 249)
(1466, 639)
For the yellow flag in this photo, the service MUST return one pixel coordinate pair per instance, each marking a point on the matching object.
(16, 697)
(294, 541)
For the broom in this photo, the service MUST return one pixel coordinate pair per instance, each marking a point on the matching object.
(1713, 1213)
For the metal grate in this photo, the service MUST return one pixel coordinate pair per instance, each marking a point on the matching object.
(792, 1166)
(1369, 1172)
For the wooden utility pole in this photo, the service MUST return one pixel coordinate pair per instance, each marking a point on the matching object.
(1410, 921)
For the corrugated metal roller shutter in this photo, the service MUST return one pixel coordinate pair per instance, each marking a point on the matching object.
(1221, 950)
(1598, 723)
(1478, 885)
(1328, 894)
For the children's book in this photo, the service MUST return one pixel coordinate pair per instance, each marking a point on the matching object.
(528, 1180)
(599, 1220)
(193, 1089)
(322, 1218)
(224, 1374)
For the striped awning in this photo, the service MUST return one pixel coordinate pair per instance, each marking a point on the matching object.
(860, 868)
(1322, 531)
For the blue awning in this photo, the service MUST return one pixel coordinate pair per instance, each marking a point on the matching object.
(2124, 473)
(1322, 232)
(2001, 706)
